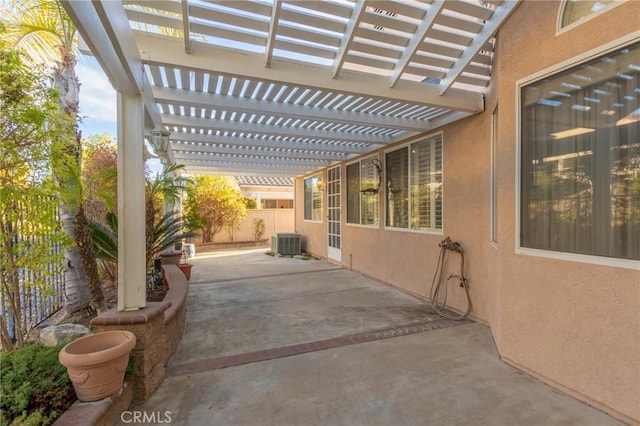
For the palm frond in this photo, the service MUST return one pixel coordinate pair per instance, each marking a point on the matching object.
(41, 29)
(170, 184)
(105, 238)
(168, 231)
(69, 172)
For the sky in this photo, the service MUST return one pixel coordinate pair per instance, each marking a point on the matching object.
(97, 99)
(98, 103)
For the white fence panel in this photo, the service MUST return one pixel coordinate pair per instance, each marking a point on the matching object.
(275, 220)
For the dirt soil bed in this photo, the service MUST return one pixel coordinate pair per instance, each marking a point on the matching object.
(110, 292)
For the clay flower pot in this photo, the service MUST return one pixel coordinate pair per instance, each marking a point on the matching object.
(186, 269)
(96, 363)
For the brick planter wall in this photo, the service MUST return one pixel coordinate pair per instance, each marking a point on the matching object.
(175, 317)
(158, 328)
(150, 352)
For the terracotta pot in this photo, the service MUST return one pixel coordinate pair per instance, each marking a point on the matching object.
(96, 363)
(186, 269)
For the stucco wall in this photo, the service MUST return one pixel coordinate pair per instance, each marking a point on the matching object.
(573, 325)
(408, 260)
(313, 234)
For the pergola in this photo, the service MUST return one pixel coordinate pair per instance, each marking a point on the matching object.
(279, 88)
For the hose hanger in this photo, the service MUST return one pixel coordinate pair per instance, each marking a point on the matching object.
(439, 285)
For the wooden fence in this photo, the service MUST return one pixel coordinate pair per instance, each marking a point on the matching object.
(275, 220)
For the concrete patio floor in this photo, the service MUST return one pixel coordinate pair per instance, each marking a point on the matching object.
(284, 341)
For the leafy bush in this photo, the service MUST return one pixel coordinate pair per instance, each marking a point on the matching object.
(34, 388)
(250, 203)
(214, 204)
(259, 228)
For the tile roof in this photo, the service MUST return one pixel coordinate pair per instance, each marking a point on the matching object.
(264, 181)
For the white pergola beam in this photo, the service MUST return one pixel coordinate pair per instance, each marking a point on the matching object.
(488, 30)
(170, 6)
(267, 161)
(416, 40)
(282, 109)
(250, 171)
(273, 30)
(104, 27)
(238, 166)
(99, 25)
(181, 121)
(356, 16)
(152, 114)
(185, 148)
(246, 165)
(242, 141)
(155, 19)
(449, 117)
(160, 50)
(186, 26)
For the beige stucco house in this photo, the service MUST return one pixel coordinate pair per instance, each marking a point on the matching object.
(559, 286)
(269, 192)
(510, 126)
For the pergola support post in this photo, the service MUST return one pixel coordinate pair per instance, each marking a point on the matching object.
(131, 205)
(169, 205)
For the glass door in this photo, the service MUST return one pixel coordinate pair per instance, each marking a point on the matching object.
(333, 214)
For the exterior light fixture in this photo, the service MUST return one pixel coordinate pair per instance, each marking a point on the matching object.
(160, 142)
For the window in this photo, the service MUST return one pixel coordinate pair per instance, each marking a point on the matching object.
(414, 186)
(580, 158)
(397, 171)
(363, 186)
(313, 198)
(576, 10)
(276, 204)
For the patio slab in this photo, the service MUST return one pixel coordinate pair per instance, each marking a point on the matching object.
(278, 325)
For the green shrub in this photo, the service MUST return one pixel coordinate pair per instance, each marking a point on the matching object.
(259, 228)
(250, 203)
(34, 388)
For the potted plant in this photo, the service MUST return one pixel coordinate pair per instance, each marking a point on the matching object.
(96, 364)
(185, 267)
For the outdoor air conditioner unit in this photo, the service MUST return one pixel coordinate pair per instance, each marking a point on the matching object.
(285, 243)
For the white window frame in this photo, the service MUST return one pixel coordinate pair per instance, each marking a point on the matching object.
(360, 162)
(386, 209)
(571, 257)
(493, 179)
(563, 4)
(316, 190)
